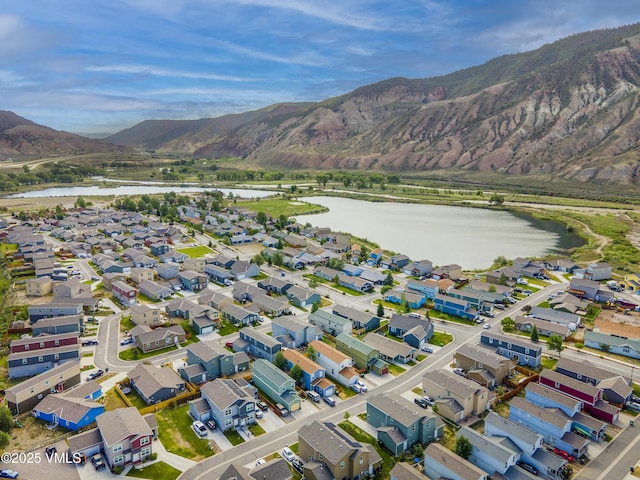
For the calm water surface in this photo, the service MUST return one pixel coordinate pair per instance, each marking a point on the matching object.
(96, 191)
(470, 237)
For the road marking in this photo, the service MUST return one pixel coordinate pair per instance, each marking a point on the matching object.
(617, 459)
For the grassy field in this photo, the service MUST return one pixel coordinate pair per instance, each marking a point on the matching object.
(112, 401)
(177, 436)
(280, 206)
(197, 251)
(441, 338)
(155, 471)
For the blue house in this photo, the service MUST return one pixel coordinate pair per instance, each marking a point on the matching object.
(429, 288)
(522, 351)
(454, 306)
(302, 297)
(206, 361)
(415, 331)
(313, 375)
(293, 333)
(374, 257)
(257, 344)
(72, 409)
(414, 300)
(193, 281)
(158, 249)
(28, 363)
(360, 320)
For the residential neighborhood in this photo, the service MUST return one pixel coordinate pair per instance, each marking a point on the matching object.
(148, 342)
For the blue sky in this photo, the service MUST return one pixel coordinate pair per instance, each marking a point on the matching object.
(103, 65)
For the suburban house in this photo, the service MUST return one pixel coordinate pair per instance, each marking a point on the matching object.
(154, 290)
(415, 331)
(302, 297)
(215, 300)
(238, 316)
(405, 471)
(32, 362)
(483, 366)
(72, 409)
(628, 347)
(454, 306)
(456, 397)
(242, 270)
(149, 340)
(58, 325)
(206, 361)
(39, 287)
(569, 303)
(545, 328)
(275, 285)
(330, 323)
(398, 297)
(553, 425)
(337, 365)
(195, 264)
(524, 352)
(155, 384)
(229, 403)
(275, 469)
(616, 389)
(584, 288)
(313, 375)
(217, 273)
(126, 436)
(419, 268)
(330, 452)
(42, 342)
(531, 446)
(400, 423)
(591, 395)
(440, 462)
(168, 270)
(363, 355)
(144, 314)
(565, 319)
(193, 281)
(293, 333)
(274, 307)
(360, 320)
(428, 288)
(374, 257)
(276, 384)
(490, 455)
(124, 293)
(257, 344)
(51, 310)
(139, 275)
(25, 395)
(390, 350)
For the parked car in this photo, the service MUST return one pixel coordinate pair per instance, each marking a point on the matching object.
(87, 343)
(262, 406)
(94, 375)
(427, 348)
(126, 341)
(460, 371)
(330, 401)
(228, 344)
(282, 410)
(528, 468)
(486, 326)
(421, 402)
(561, 453)
(260, 461)
(98, 462)
(363, 387)
(356, 388)
(8, 474)
(50, 450)
(297, 464)
(259, 414)
(211, 425)
(199, 428)
(499, 306)
(288, 454)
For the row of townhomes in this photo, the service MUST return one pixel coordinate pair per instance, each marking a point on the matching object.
(244, 344)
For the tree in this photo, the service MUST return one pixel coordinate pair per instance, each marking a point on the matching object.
(492, 288)
(534, 334)
(380, 311)
(258, 259)
(604, 347)
(555, 343)
(463, 447)
(508, 324)
(296, 373)
(336, 279)
(314, 307)
(277, 259)
(4, 439)
(434, 407)
(280, 361)
(6, 420)
(261, 218)
(496, 199)
(311, 353)
(81, 203)
(313, 283)
(389, 279)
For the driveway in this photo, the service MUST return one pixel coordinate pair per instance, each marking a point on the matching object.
(40, 466)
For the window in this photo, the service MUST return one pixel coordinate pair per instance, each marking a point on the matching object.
(40, 359)
(361, 460)
(24, 361)
(341, 464)
(41, 344)
(249, 407)
(117, 448)
(227, 412)
(57, 342)
(118, 459)
(26, 347)
(145, 452)
(228, 422)
(579, 376)
(144, 441)
(39, 396)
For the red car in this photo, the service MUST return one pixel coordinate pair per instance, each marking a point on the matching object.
(563, 454)
(228, 344)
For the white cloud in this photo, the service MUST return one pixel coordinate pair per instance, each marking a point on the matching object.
(163, 72)
(9, 25)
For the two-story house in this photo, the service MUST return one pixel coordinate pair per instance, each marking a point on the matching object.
(616, 388)
(256, 343)
(140, 274)
(440, 462)
(428, 288)
(276, 384)
(454, 306)
(456, 397)
(52, 310)
(415, 331)
(39, 287)
(126, 437)
(483, 366)
(313, 375)
(32, 362)
(302, 297)
(366, 321)
(488, 454)
(193, 281)
(337, 365)
(293, 333)
(229, 403)
(400, 424)
(206, 361)
(124, 293)
(238, 316)
(364, 356)
(524, 352)
(144, 314)
(330, 452)
(330, 323)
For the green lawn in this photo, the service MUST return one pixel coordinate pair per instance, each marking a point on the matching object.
(126, 324)
(548, 362)
(256, 429)
(361, 436)
(155, 471)
(227, 328)
(280, 206)
(441, 338)
(135, 400)
(434, 314)
(187, 328)
(137, 354)
(177, 436)
(234, 437)
(196, 252)
(395, 370)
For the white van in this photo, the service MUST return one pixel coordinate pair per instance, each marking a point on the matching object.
(313, 396)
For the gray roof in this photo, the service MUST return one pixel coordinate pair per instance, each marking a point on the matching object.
(269, 370)
(235, 472)
(352, 313)
(462, 468)
(557, 316)
(512, 429)
(47, 374)
(300, 292)
(489, 446)
(225, 392)
(149, 378)
(118, 424)
(404, 471)
(586, 368)
(275, 469)
(57, 321)
(66, 408)
(399, 408)
(545, 414)
(575, 440)
(236, 311)
(200, 405)
(45, 352)
(589, 421)
(388, 347)
(403, 322)
(291, 323)
(259, 336)
(159, 333)
(452, 383)
(554, 395)
(573, 383)
(207, 351)
(329, 440)
(270, 303)
(84, 440)
(44, 338)
(549, 459)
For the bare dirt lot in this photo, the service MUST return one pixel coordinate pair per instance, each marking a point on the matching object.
(619, 323)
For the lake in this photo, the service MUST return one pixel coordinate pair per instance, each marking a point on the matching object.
(470, 237)
(97, 191)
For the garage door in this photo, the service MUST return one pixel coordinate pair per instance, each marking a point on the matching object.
(207, 330)
(296, 406)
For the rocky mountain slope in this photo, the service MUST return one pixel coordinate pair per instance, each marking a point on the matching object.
(21, 136)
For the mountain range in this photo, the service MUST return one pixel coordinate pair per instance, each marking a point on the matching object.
(566, 110)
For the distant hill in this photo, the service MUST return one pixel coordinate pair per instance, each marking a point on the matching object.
(568, 109)
(21, 136)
